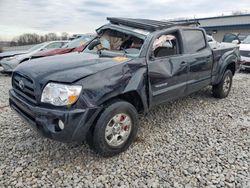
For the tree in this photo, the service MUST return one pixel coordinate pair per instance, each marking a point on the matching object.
(51, 36)
(64, 36)
(33, 38)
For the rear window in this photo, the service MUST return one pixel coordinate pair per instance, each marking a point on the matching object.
(195, 40)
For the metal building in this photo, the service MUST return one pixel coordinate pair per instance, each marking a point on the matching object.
(219, 26)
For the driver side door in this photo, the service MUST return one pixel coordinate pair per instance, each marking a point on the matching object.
(168, 70)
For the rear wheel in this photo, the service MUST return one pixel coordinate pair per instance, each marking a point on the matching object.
(222, 89)
(115, 129)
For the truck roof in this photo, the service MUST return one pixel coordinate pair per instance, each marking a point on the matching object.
(149, 25)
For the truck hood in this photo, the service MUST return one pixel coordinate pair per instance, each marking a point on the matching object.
(66, 68)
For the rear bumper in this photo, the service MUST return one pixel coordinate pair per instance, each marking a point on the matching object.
(45, 121)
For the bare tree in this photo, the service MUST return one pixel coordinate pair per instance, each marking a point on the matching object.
(51, 36)
(64, 36)
(33, 38)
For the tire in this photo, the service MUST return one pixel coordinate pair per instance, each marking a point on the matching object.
(116, 128)
(222, 89)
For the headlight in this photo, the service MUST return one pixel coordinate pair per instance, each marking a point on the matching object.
(60, 94)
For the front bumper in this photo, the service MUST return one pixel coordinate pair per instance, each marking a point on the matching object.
(45, 121)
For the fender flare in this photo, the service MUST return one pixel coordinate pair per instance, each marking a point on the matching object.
(223, 64)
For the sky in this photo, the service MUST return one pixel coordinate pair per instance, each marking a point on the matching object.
(84, 16)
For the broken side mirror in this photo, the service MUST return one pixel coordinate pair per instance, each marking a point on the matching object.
(93, 44)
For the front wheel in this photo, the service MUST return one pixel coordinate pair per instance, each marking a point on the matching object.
(115, 129)
(222, 89)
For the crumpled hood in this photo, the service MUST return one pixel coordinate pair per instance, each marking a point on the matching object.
(66, 68)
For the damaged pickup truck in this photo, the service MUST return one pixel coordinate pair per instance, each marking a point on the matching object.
(131, 66)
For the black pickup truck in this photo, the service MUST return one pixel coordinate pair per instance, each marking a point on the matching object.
(131, 66)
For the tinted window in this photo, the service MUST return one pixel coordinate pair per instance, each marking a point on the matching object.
(195, 40)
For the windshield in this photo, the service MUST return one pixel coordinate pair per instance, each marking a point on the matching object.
(78, 42)
(116, 43)
(247, 40)
(36, 47)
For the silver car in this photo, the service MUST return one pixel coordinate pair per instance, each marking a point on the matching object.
(10, 63)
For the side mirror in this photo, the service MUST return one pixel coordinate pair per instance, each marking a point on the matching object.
(93, 44)
(236, 41)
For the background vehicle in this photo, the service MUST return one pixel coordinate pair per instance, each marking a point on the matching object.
(235, 38)
(245, 54)
(76, 45)
(9, 64)
(133, 65)
(12, 53)
(215, 44)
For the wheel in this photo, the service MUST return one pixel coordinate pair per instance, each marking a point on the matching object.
(222, 89)
(115, 129)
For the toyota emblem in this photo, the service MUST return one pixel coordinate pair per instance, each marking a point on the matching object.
(21, 84)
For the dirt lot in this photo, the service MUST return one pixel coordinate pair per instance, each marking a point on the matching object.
(196, 141)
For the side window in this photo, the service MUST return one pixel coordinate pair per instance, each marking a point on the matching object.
(166, 45)
(195, 40)
(54, 45)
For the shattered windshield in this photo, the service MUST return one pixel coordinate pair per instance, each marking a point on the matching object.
(114, 43)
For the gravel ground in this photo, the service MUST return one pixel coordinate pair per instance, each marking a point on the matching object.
(197, 141)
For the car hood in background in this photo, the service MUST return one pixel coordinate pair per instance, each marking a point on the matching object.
(12, 53)
(67, 68)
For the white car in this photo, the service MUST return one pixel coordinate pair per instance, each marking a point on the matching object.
(10, 63)
(245, 54)
(215, 44)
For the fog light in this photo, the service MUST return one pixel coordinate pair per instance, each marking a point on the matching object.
(61, 124)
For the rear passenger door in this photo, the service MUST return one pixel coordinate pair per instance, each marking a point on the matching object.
(200, 59)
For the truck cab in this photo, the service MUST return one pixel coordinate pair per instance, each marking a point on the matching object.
(131, 66)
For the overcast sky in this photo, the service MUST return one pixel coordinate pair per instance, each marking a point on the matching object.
(81, 16)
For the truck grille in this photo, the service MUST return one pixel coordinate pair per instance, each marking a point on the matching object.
(245, 53)
(24, 87)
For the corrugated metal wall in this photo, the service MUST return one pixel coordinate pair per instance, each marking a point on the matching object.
(228, 24)
(222, 21)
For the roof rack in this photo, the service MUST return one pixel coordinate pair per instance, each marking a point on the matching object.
(150, 25)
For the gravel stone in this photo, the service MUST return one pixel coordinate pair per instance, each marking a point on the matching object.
(196, 141)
